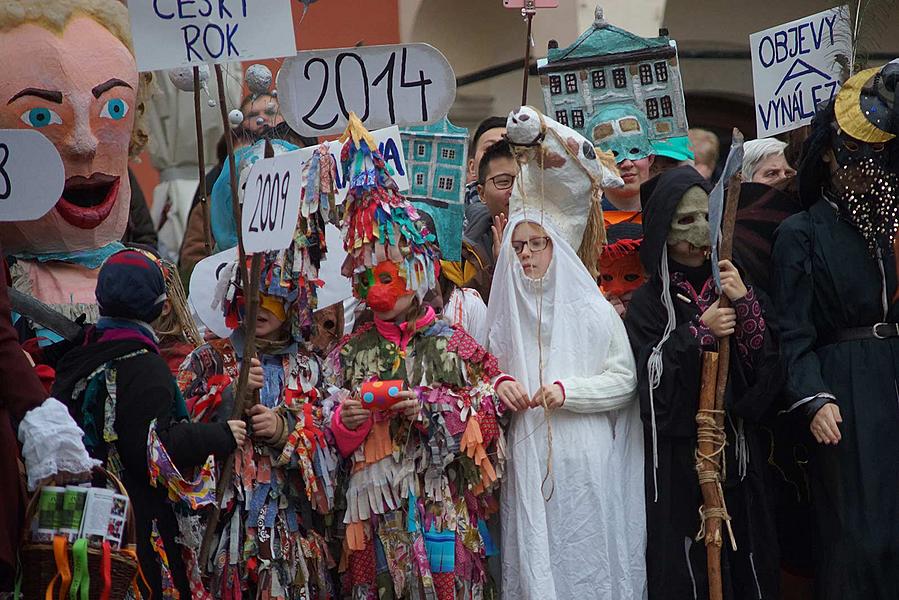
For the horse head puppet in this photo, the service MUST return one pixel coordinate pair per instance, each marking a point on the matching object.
(563, 176)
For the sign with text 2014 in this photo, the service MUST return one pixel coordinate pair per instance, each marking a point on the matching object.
(180, 33)
(797, 66)
(408, 84)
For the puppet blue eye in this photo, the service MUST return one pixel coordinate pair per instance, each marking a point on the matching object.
(40, 117)
(114, 109)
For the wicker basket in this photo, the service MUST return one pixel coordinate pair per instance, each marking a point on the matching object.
(38, 563)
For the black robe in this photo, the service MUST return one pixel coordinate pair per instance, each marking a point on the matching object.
(676, 563)
(825, 281)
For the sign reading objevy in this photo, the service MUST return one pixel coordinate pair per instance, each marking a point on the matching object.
(408, 84)
(797, 66)
(180, 33)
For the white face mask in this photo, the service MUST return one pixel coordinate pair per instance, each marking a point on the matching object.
(691, 219)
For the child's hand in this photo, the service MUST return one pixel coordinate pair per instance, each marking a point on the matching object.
(265, 423)
(720, 321)
(239, 431)
(513, 395)
(257, 375)
(731, 283)
(352, 415)
(551, 394)
(408, 405)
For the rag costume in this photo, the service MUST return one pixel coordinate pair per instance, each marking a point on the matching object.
(273, 538)
(668, 336)
(420, 490)
(834, 283)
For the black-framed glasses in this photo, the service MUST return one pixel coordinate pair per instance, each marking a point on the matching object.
(503, 181)
(535, 244)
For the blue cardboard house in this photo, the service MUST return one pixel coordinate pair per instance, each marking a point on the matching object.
(608, 65)
(436, 160)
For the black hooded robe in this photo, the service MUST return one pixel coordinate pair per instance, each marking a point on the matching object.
(825, 281)
(676, 563)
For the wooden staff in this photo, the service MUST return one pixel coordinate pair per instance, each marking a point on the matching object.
(710, 433)
(242, 398)
(201, 162)
(528, 11)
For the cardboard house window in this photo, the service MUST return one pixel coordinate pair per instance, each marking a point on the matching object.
(599, 79)
(570, 83)
(645, 74)
(445, 183)
(448, 154)
(661, 72)
(667, 110)
(652, 108)
(562, 116)
(577, 118)
(619, 78)
(555, 84)
(420, 149)
(419, 179)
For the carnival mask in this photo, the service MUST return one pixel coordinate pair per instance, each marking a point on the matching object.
(623, 131)
(620, 270)
(79, 89)
(387, 287)
(691, 219)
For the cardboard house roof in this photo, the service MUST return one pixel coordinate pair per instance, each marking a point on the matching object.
(604, 43)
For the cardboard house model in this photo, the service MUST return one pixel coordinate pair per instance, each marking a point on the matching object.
(608, 65)
(436, 160)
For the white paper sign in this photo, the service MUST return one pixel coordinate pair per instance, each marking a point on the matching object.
(203, 280)
(271, 203)
(796, 66)
(391, 148)
(32, 175)
(408, 84)
(180, 33)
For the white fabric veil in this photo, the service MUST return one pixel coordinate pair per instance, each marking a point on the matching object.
(575, 328)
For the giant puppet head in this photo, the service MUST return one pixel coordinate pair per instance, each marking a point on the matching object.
(69, 72)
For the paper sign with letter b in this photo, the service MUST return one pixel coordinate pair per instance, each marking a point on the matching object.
(271, 203)
(32, 175)
(181, 33)
(408, 84)
(797, 66)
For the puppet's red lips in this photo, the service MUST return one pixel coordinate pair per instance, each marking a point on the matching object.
(87, 201)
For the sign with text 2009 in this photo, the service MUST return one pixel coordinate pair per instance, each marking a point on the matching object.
(797, 66)
(180, 33)
(408, 84)
(271, 203)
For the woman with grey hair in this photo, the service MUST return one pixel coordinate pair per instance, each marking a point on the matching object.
(764, 162)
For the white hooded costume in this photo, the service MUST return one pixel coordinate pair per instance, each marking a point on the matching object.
(588, 541)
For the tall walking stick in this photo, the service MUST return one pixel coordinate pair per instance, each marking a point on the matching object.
(710, 433)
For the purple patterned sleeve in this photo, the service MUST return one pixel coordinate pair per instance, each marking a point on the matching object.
(751, 326)
(702, 333)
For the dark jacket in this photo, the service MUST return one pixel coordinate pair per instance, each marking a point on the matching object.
(20, 391)
(145, 391)
(141, 229)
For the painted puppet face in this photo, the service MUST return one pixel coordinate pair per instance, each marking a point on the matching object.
(690, 237)
(79, 89)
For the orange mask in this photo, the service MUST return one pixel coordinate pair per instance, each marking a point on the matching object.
(388, 287)
(620, 268)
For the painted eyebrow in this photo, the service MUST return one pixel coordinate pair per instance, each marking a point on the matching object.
(105, 87)
(48, 95)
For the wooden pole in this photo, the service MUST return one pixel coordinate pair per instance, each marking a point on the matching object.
(201, 162)
(711, 436)
(708, 468)
(251, 292)
(529, 11)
